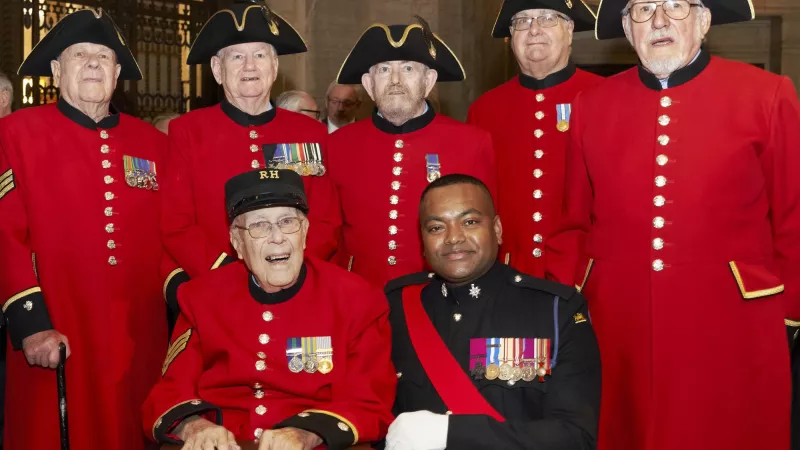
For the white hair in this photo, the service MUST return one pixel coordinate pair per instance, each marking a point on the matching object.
(221, 53)
(291, 100)
(357, 87)
(5, 84)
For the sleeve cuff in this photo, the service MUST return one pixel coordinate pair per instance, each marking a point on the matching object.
(171, 284)
(461, 429)
(791, 323)
(337, 432)
(26, 314)
(164, 425)
(223, 259)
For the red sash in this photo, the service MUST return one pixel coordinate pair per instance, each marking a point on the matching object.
(451, 383)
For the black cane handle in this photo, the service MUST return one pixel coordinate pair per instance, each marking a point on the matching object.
(61, 380)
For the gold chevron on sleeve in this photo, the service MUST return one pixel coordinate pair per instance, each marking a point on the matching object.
(175, 349)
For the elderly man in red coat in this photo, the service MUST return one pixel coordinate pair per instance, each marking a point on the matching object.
(245, 131)
(380, 165)
(682, 229)
(80, 245)
(529, 118)
(288, 350)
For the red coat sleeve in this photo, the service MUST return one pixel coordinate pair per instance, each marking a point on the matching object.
(565, 247)
(324, 216)
(780, 161)
(183, 238)
(175, 396)
(360, 410)
(24, 307)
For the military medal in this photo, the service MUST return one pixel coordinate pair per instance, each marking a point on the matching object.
(492, 357)
(492, 371)
(310, 365)
(541, 349)
(294, 354)
(563, 111)
(528, 374)
(506, 350)
(433, 167)
(296, 364)
(516, 374)
(325, 366)
(325, 352)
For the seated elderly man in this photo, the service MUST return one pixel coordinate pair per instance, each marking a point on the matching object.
(229, 376)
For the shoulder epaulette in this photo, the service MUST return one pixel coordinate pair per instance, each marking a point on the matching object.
(540, 284)
(408, 280)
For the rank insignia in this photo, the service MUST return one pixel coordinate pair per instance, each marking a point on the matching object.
(310, 354)
(140, 173)
(563, 112)
(579, 318)
(175, 349)
(303, 158)
(6, 182)
(433, 167)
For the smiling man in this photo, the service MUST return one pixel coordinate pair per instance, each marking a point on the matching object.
(287, 350)
(528, 118)
(487, 357)
(80, 245)
(686, 195)
(209, 145)
(380, 165)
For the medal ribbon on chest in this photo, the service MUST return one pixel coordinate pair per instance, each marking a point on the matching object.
(541, 356)
(433, 167)
(140, 172)
(564, 111)
(310, 354)
(303, 158)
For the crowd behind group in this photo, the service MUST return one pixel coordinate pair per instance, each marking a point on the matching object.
(254, 271)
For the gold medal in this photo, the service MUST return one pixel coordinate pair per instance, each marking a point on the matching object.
(505, 372)
(325, 366)
(562, 126)
(306, 170)
(492, 371)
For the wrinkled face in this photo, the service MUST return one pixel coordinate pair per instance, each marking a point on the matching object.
(541, 44)
(342, 104)
(246, 70)
(86, 73)
(399, 87)
(460, 232)
(275, 259)
(664, 44)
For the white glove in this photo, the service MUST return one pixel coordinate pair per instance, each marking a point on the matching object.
(418, 430)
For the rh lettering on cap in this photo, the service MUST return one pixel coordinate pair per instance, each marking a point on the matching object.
(268, 174)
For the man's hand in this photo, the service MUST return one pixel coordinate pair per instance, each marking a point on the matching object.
(289, 439)
(41, 349)
(418, 430)
(200, 434)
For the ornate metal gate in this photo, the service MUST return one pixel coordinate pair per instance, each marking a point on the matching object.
(160, 33)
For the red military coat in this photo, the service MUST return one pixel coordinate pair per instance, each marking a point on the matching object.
(209, 146)
(682, 211)
(523, 117)
(230, 353)
(379, 172)
(80, 252)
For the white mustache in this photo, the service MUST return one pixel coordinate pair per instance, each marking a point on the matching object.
(660, 34)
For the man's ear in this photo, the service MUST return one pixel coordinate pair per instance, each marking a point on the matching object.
(236, 242)
(498, 229)
(55, 68)
(369, 84)
(216, 68)
(430, 80)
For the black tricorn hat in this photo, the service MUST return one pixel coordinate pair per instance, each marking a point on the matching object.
(415, 42)
(580, 13)
(87, 25)
(245, 21)
(264, 188)
(609, 15)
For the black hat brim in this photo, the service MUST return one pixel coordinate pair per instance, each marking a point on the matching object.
(577, 10)
(241, 24)
(259, 200)
(87, 25)
(609, 15)
(381, 43)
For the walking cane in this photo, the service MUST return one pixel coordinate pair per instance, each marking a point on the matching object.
(61, 380)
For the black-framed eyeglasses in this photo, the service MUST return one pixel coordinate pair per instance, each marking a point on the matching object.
(343, 103)
(262, 229)
(674, 9)
(314, 113)
(544, 21)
